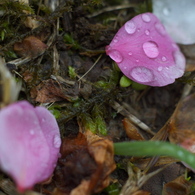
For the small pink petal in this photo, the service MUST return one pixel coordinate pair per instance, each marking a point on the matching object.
(145, 53)
(27, 152)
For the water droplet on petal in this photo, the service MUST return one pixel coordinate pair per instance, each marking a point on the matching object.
(164, 59)
(130, 27)
(32, 132)
(43, 120)
(115, 40)
(130, 53)
(142, 74)
(160, 29)
(179, 59)
(151, 49)
(137, 60)
(147, 32)
(138, 30)
(160, 68)
(57, 141)
(146, 18)
(115, 55)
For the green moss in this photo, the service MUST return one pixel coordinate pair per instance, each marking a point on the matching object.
(146, 6)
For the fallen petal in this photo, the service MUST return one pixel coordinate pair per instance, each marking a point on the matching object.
(145, 53)
(27, 151)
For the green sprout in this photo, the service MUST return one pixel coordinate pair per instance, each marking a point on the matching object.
(155, 148)
(72, 73)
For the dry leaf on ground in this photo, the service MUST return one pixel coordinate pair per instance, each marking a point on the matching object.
(85, 165)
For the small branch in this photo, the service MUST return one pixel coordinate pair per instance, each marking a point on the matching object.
(120, 109)
(111, 8)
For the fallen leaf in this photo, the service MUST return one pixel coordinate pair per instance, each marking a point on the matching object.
(131, 130)
(181, 126)
(30, 47)
(85, 165)
(50, 91)
(178, 186)
(141, 192)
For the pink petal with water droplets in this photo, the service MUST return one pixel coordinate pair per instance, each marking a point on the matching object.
(145, 53)
(27, 153)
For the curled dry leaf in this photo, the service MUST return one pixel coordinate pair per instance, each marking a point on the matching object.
(181, 125)
(29, 22)
(30, 47)
(178, 186)
(141, 192)
(85, 165)
(131, 130)
(50, 91)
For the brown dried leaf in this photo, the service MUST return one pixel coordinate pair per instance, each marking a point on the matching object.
(141, 192)
(102, 151)
(181, 126)
(30, 47)
(131, 130)
(50, 91)
(142, 163)
(85, 165)
(178, 186)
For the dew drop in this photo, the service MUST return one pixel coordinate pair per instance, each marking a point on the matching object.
(151, 49)
(160, 68)
(164, 59)
(138, 30)
(147, 32)
(137, 60)
(146, 18)
(43, 120)
(115, 40)
(125, 67)
(57, 141)
(130, 53)
(115, 55)
(160, 29)
(32, 132)
(142, 74)
(130, 27)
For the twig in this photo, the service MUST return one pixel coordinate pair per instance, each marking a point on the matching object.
(111, 8)
(90, 68)
(131, 117)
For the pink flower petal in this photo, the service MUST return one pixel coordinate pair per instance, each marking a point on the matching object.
(145, 53)
(27, 151)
